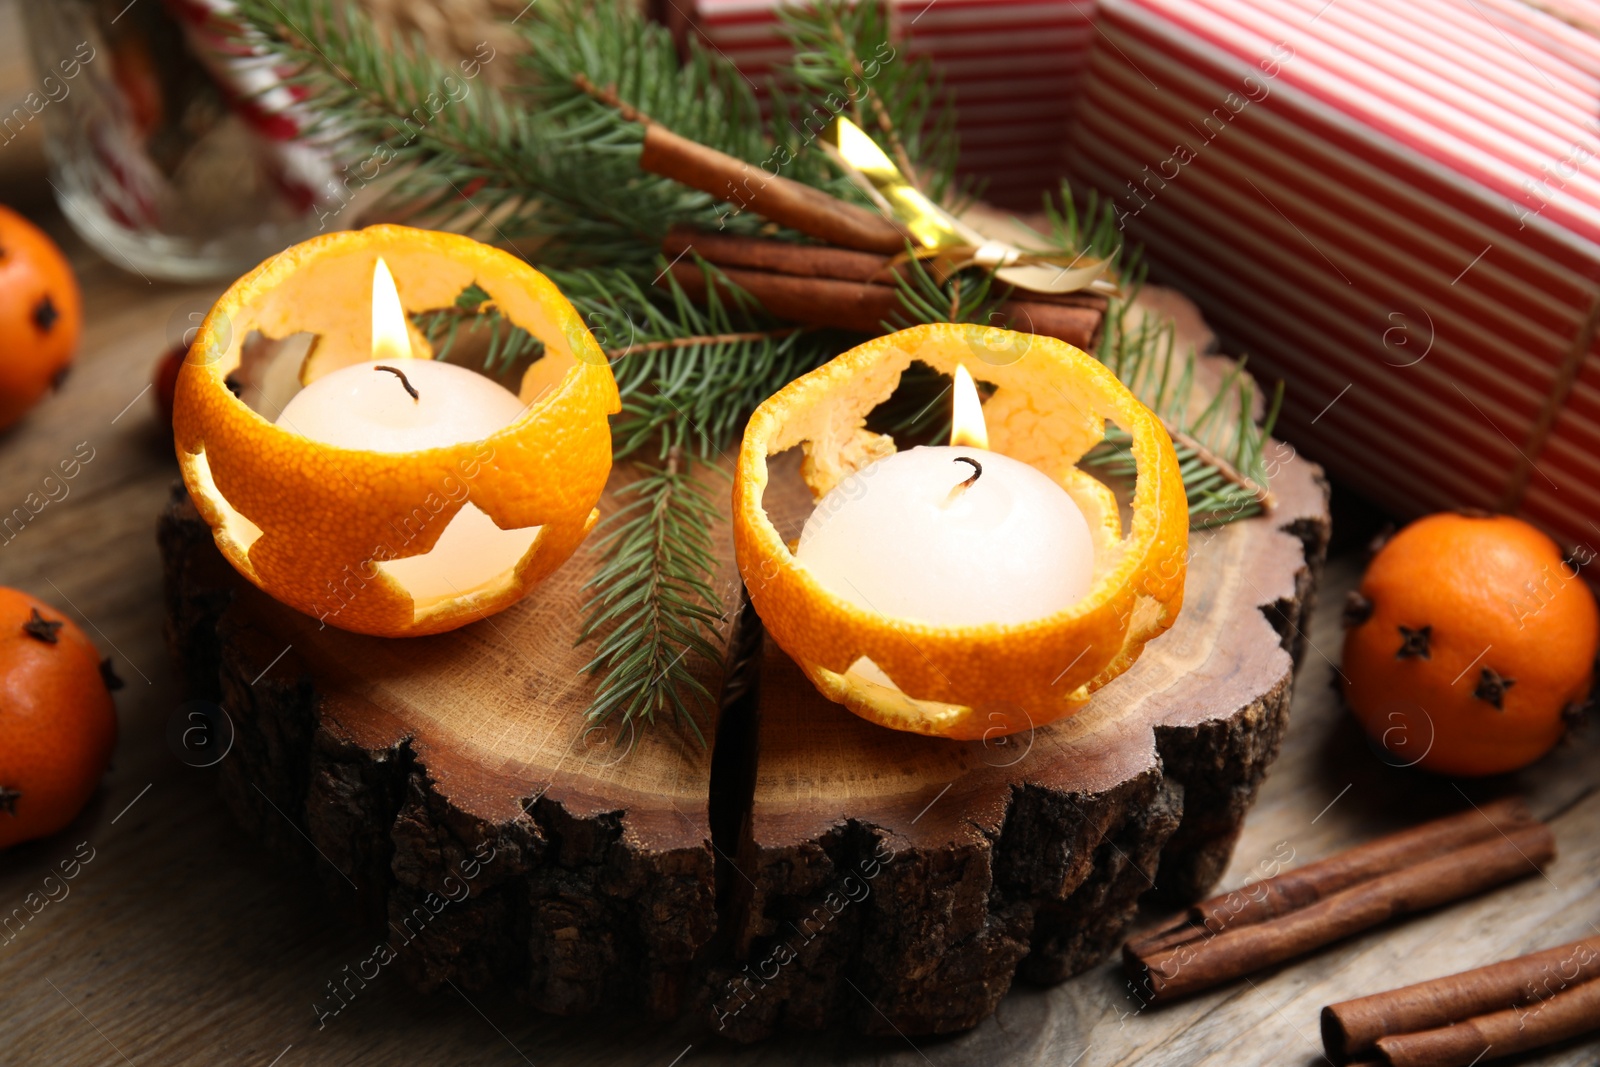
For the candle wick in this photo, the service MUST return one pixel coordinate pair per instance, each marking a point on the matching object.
(963, 486)
(977, 470)
(398, 373)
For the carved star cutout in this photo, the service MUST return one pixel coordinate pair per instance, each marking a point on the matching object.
(1492, 687)
(8, 799)
(41, 628)
(1415, 644)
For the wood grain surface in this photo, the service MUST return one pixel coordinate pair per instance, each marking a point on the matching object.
(181, 941)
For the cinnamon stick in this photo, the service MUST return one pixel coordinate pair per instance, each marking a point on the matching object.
(780, 257)
(823, 261)
(865, 307)
(1286, 892)
(819, 301)
(1354, 1027)
(1174, 971)
(1573, 1011)
(768, 194)
(1079, 326)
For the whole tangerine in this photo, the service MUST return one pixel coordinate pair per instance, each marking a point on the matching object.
(40, 315)
(1468, 640)
(57, 721)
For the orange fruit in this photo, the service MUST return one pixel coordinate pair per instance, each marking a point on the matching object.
(40, 315)
(1049, 407)
(57, 721)
(1467, 641)
(311, 524)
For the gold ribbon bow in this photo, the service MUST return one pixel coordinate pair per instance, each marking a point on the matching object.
(950, 242)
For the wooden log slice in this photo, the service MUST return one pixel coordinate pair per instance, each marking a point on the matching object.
(811, 870)
(450, 788)
(892, 882)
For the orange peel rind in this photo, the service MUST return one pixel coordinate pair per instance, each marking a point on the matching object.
(1049, 408)
(305, 521)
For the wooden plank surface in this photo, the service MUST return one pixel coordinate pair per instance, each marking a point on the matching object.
(181, 942)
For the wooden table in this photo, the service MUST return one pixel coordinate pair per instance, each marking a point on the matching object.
(181, 942)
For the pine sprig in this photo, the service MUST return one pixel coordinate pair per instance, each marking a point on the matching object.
(845, 59)
(1092, 230)
(503, 343)
(688, 375)
(606, 44)
(530, 170)
(652, 603)
(1220, 449)
(585, 63)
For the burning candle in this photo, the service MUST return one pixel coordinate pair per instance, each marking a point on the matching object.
(951, 535)
(391, 468)
(956, 592)
(397, 403)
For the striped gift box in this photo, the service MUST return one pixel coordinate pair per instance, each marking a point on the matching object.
(1393, 206)
(1013, 66)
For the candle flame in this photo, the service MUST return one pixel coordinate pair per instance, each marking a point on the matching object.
(966, 423)
(390, 338)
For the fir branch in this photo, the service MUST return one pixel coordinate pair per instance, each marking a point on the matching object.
(903, 100)
(609, 44)
(570, 180)
(1220, 450)
(704, 339)
(652, 600)
(608, 85)
(688, 376)
(964, 296)
(1092, 230)
(504, 344)
(1224, 472)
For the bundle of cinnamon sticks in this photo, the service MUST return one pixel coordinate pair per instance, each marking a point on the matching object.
(826, 285)
(1507, 1007)
(1294, 913)
(847, 282)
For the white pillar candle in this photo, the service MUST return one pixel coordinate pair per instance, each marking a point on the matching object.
(951, 535)
(400, 404)
(902, 539)
(370, 406)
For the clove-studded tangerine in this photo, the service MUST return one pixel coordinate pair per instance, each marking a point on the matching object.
(57, 721)
(1468, 640)
(40, 315)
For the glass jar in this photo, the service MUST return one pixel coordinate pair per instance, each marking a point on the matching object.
(173, 151)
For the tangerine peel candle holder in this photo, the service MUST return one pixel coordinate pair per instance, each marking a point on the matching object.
(1049, 408)
(310, 523)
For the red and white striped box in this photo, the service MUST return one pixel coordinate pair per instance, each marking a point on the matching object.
(1013, 65)
(1393, 206)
